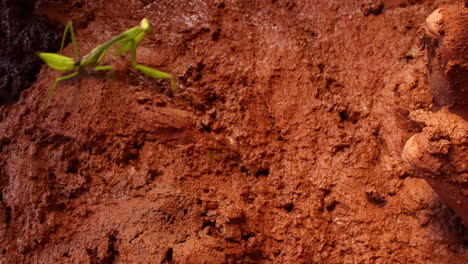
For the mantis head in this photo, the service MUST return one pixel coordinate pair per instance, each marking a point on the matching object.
(145, 25)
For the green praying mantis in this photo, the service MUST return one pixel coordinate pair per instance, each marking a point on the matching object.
(128, 40)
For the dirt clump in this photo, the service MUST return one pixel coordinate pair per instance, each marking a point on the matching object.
(439, 151)
(446, 40)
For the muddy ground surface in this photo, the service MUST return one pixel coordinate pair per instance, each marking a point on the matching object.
(282, 144)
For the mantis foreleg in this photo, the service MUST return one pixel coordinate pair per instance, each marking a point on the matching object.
(101, 57)
(147, 70)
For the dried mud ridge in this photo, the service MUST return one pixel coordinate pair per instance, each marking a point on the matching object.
(282, 145)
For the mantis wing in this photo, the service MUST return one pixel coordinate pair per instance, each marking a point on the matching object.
(124, 47)
(127, 44)
(57, 61)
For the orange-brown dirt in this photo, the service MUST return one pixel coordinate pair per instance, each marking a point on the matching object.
(282, 144)
(438, 153)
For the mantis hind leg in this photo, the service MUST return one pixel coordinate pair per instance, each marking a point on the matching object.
(54, 85)
(69, 27)
(147, 70)
(67, 77)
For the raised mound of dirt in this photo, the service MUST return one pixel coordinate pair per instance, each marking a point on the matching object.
(282, 143)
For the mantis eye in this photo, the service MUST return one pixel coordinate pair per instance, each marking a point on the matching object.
(145, 25)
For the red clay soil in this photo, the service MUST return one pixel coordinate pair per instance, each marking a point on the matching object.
(447, 44)
(282, 144)
(439, 155)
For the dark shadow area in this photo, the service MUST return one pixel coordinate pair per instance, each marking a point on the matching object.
(22, 34)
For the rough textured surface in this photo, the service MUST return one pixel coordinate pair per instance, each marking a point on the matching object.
(439, 153)
(282, 145)
(446, 41)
